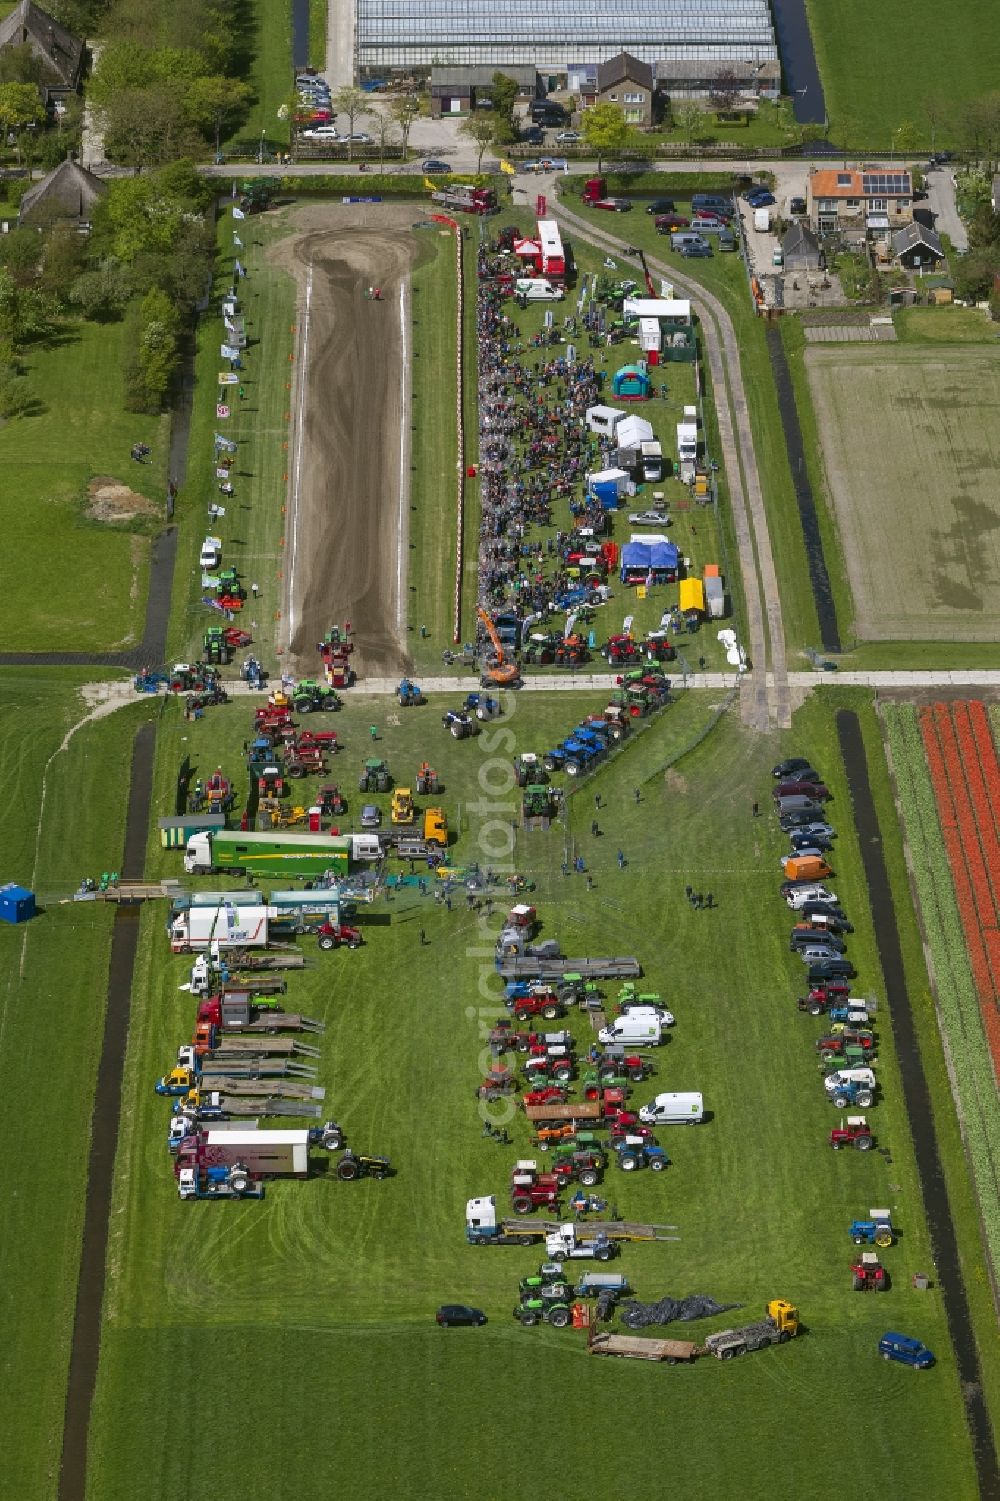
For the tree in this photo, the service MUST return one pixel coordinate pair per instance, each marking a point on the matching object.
(103, 294)
(404, 109)
(20, 105)
(151, 358)
(20, 254)
(481, 129)
(936, 111)
(904, 140)
(62, 262)
(148, 127)
(16, 398)
(214, 102)
(727, 92)
(691, 121)
(504, 92)
(605, 130)
(385, 135)
(351, 102)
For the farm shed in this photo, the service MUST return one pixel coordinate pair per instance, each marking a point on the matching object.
(917, 246)
(17, 903)
(66, 195)
(801, 249)
(58, 54)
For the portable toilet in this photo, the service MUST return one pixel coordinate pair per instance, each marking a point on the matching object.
(17, 904)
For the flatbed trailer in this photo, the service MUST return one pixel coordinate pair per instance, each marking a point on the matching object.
(212, 1069)
(274, 1021)
(131, 893)
(589, 1230)
(260, 985)
(565, 1110)
(632, 1347)
(259, 1105)
(261, 1047)
(278, 959)
(526, 968)
(248, 1087)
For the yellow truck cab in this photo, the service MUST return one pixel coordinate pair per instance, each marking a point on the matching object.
(435, 827)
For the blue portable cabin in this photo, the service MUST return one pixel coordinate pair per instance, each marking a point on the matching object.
(17, 903)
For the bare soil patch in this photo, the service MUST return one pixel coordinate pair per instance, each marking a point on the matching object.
(349, 559)
(108, 500)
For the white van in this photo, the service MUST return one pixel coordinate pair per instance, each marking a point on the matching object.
(673, 1110)
(801, 896)
(537, 289)
(636, 1029)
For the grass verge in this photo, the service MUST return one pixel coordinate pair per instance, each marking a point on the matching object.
(53, 978)
(76, 584)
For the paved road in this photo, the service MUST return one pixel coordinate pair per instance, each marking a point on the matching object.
(339, 70)
(941, 202)
(765, 700)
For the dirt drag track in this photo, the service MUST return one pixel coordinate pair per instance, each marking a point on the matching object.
(346, 534)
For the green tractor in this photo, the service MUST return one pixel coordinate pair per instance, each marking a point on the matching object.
(217, 651)
(549, 1282)
(374, 776)
(529, 770)
(537, 1310)
(311, 697)
(256, 195)
(538, 806)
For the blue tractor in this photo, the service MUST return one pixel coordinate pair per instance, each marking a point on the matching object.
(409, 693)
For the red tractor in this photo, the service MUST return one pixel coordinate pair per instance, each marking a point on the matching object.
(868, 1274)
(334, 935)
(331, 803)
(851, 1043)
(547, 1005)
(620, 651)
(530, 1189)
(549, 1094)
(854, 1132)
(498, 1082)
(318, 740)
(543, 1067)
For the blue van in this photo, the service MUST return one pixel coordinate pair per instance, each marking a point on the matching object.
(906, 1350)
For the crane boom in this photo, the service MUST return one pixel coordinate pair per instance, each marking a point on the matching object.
(491, 628)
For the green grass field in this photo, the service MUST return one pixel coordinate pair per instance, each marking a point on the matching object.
(322, 1296)
(53, 976)
(909, 443)
(95, 573)
(947, 66)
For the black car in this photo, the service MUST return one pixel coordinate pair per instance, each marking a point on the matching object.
(800, 819)
(451, 1315)
(796, 766)
(833, 916)
(816, 938)
(830, 969)
(696, 252)
(661, 206)
(797, 207)
(431, 165)
(534, 136)
(800, 840)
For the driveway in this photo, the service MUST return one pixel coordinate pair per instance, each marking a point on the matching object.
(941, 202)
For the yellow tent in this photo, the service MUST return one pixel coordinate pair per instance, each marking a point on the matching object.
(691, 595)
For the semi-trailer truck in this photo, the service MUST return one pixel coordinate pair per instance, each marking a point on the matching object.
(277, 853)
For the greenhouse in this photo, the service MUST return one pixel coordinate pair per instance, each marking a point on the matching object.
(417, 34)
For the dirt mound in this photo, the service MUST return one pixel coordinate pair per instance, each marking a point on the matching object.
(107, 500)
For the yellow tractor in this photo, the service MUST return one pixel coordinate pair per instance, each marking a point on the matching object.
(402, 810)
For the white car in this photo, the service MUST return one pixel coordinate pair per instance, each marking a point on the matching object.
(569, 136)
(321, 133)
(211, 552)
(360, 136)
(649, 518)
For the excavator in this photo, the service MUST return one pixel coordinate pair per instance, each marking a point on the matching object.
(504, 672)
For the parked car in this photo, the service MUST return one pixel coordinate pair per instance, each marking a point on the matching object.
(534, 135)
(661, 206)
(817, 829)
(211, 552)
(371, 816)
(433, 165)
(799, 897)
(759, 197)
(830, 969)
(797, 207)
(452, 1315)
(803, 844)
(727, 240)
(796, 766)
(321, 133)
(906, 1350)
(649, 518)
(568, 137)
(796, 788)
(666, 223)
(360, 137)
(696, 252)
(552, 164)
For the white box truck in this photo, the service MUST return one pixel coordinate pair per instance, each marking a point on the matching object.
(679, 1109)
(762, 220)
(228, 926)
